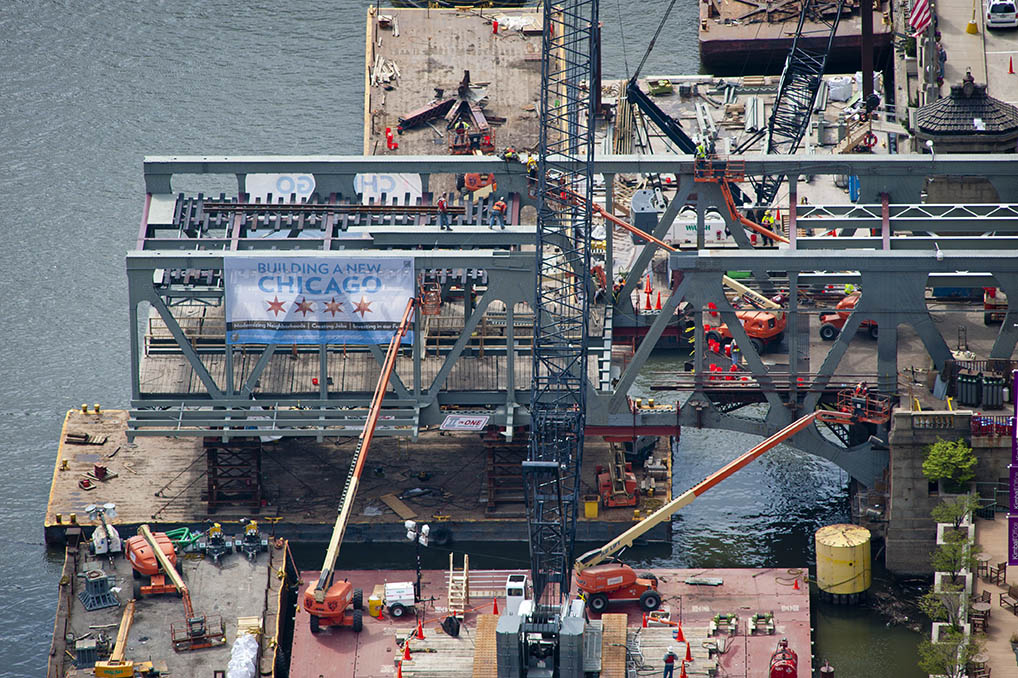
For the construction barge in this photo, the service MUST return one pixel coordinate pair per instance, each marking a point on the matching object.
(732, 619)
(746, 37)
(102, 613)
(464, 487)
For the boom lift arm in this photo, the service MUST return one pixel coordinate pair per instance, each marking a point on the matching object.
(627, 538)
(357, 463)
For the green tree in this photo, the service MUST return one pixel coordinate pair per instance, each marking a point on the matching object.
(949, 656)
(950, 461)
(943, 606)
(955, 509)
(954, 555)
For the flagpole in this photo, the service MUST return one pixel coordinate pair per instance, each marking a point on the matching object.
(932, 60)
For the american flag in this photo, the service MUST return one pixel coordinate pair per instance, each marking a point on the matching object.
(919, 18)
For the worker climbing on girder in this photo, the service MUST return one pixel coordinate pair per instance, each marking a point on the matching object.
(510, 154)
(497, 214)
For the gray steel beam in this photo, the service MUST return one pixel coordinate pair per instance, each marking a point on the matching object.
(929, 243)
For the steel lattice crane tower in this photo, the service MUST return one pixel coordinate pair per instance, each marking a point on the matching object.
(797, 93)
(561, 304)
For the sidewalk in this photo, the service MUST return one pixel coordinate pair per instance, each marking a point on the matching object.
(964, 51)
(992, 536)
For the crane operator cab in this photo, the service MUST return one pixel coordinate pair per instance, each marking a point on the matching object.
(515, 593)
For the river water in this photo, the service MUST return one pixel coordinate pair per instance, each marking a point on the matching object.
(88, 89)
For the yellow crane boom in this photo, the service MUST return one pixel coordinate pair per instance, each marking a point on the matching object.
(115, 666)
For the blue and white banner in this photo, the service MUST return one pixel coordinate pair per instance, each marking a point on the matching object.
(311, 299)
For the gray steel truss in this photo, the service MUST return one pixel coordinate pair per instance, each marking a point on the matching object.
(185, 383)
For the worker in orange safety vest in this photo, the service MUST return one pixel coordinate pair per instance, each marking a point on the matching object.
(497, 214)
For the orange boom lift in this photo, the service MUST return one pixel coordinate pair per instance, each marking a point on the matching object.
(602, 582)
(329, 602)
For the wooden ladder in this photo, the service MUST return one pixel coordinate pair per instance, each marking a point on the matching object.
(459, 587)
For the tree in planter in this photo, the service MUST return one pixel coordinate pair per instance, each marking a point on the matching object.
(954, 555)
(955, 509)
(952, 462)
(949, 656)
(943, 606)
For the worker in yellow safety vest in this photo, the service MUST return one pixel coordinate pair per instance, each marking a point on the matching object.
(701, 151)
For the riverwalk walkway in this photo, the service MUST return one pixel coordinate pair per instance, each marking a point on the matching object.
(991, 535)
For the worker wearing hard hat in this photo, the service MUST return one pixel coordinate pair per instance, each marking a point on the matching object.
(497, 214)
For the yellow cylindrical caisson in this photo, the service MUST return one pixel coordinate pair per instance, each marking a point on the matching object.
(843, 562)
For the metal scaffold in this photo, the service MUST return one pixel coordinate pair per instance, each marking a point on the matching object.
(559, 381)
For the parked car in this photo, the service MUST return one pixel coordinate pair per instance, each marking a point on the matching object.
(1001, 14)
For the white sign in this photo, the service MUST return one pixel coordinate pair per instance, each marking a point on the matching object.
(459, 422)
(394, 186)
(259, 186)
(313, 299)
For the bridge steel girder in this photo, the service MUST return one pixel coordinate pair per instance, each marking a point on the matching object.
(911, 218)
(901, 177)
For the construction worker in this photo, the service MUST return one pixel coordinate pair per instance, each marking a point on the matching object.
(859, 398)
(669, 661)
(461, 128)
(443, 213)
(510, 154)
(532, 167)
(849, 288)
(701, 151)
(497, 214)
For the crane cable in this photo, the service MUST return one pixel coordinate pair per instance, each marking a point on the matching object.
(653, 40)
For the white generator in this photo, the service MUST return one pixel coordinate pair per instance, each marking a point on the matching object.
(399, 598)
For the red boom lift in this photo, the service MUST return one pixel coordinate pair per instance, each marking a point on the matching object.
(329, 602)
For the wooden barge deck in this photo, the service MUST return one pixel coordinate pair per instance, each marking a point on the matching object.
(376, 651)
(431, 49)
(165, 482)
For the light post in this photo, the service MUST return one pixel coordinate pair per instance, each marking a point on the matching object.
(418, 534)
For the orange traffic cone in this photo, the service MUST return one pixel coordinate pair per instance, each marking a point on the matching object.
(494, 605)
(678, 633)
(399, 670)
(406, 651)
(644, 623)
(689, 653)
(646, 286)
(795, 586)
(1010, 65)
(420, 630)
(646, 306)
(682, 673)
(657, 306)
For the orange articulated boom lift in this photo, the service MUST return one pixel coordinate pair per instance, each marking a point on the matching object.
(603, 580)
(329, 603)
(197, 631)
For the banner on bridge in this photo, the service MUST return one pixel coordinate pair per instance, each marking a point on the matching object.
(286, 299)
